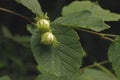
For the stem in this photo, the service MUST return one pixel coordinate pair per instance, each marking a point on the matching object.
(109, 35)
(104, 69)
(92, 32)
(93, 65)
(103, 35)
(107, 38)
(12, 12)
(99, 65)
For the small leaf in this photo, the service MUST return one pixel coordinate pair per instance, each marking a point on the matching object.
(93, 74)
(94, 8)
(18, 38)
(33, 5)
(114, 56)
(63, 59)
(3, 62)
(31, 28)
(82, 20)
(6, 32)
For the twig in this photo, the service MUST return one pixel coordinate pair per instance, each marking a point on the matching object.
(107, 38)
(109, 35)
(102, 35)
(12, 12)
(92, 32)
(93, 65)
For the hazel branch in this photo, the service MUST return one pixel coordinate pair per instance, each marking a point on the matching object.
(102, 35)
(12, 12)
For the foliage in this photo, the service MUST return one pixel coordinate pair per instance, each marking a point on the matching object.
(94, 8)
(61, 59)
(113, 53)
(4, 78)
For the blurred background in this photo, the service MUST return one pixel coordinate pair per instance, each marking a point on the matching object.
(16, 59)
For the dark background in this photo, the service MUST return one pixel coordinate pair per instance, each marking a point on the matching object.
(17, 60)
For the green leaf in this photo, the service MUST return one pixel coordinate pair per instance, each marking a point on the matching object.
(82, 20)
(33, 5)
(86, 74)
(18, 38)
(94, 8)
(31, 28)
(6, 32)
(93, 74)
(3, 62)
(60, 60)
(114, 55)
(23, 40)
(4, 78)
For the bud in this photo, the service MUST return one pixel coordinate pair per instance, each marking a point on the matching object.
(43, 25)
(48, 38)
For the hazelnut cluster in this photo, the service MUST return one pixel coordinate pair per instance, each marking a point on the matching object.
(47, 37)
